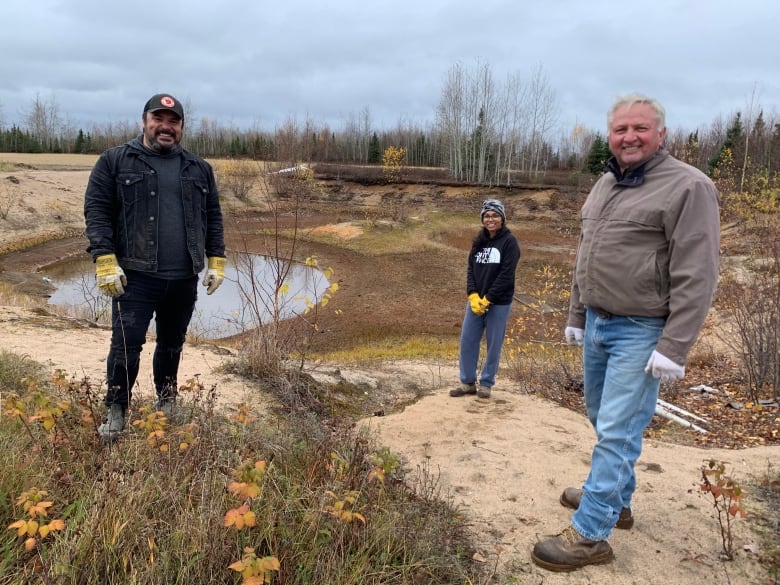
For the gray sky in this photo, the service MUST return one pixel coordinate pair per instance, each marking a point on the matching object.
(255, 63)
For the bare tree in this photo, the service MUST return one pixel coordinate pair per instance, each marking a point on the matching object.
(485, 126)
(748, 121)
(44, 122)
(513, 114)
(286, 138)
(543, 117)
(451, 118)
(466, 117)
(483, 135)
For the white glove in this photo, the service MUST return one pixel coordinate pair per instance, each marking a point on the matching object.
(573, 335)
(215, 274)
(660, 366)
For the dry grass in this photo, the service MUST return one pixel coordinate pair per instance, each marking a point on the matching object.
(330, 507)
(47, 161)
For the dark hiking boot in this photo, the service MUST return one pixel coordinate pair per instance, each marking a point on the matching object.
(571, 497)
(464, 389)
(570, 550)
(115, 423)
(483, 392)
(166, 405)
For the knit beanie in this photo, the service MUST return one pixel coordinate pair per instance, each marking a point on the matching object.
(493, 205)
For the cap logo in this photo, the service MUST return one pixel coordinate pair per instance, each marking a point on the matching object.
(167, 101)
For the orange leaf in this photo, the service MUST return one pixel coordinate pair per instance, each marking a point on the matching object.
(239, 517)
(39, 509)
(237, 566)
(57, 524)
(20, 526)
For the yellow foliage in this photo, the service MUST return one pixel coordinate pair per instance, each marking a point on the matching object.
(255, 571)
(34, 506)
(393, 163)
(243, 414)
(244, 490)
(342, 508)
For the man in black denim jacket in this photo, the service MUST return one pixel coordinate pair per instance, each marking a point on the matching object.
(153, 221)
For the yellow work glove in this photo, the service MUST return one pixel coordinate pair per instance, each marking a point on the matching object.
(483, 304)
(215, 274)
(111, 278)
(476, 306)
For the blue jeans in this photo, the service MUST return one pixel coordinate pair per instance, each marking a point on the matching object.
(493, 325)
(172, 303)
(620, 399)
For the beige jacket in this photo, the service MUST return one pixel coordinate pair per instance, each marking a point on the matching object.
(650, 250)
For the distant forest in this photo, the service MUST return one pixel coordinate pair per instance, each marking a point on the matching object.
(484, 132)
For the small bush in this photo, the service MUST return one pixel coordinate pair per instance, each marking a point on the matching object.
(17, 371)
(752, 300)
(534, 349)
(10, 195)
(727, 495)
(238, 176)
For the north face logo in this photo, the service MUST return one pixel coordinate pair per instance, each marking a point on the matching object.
(488, 256)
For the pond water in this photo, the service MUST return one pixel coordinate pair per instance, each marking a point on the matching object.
(243, 301)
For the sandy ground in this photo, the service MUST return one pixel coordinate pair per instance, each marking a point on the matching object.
(503, 461)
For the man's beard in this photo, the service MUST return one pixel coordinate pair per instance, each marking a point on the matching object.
(159, 148)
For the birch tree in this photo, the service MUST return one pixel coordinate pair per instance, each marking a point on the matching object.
(450, 116)
(543, 116)
(44, 123)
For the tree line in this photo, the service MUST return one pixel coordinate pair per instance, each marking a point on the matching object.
(484, 132)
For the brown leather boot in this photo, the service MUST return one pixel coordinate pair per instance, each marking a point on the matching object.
(571, 497)
(570, 550)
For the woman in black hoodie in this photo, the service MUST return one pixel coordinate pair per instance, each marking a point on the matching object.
(490, 286)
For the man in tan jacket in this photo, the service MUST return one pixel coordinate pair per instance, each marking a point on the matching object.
(644, 278)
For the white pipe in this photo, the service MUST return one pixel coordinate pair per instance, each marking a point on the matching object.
(661, 411)
(669, 406)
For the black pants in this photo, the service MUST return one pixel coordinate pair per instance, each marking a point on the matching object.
(171, 302)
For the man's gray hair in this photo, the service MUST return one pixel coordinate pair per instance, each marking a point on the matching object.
(637, 98)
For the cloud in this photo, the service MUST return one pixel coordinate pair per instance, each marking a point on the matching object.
(250, 64)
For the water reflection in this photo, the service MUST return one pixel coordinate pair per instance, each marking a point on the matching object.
(241, 303)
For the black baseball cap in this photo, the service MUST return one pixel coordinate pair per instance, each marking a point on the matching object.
(164, 101)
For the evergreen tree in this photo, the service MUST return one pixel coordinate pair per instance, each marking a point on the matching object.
(79, 147)
(773, 164)
(598, 155)
(374, 150)
(731, 144)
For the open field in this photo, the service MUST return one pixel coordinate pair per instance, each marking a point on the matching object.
(11, 160)
(398, 252)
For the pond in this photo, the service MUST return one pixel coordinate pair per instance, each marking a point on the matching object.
(244, 301)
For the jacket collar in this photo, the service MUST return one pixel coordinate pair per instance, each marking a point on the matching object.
(634, 176)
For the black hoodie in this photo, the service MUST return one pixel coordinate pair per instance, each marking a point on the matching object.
(492, 264)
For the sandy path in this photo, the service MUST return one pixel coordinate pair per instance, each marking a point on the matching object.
(505, 462)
